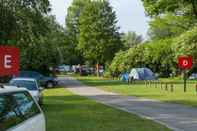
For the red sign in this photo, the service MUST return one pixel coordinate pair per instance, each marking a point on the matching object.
(185, 62)
(9, 61)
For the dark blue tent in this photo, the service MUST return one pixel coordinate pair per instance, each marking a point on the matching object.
(142, 74)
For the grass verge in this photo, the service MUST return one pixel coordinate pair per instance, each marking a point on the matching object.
(67, 112)
(141, 90)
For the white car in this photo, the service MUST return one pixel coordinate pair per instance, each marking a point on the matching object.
(193, 76)
(19, 111)
(31, 85)
(64, 68)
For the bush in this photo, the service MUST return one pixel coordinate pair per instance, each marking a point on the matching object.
(156, 55)
(159, 56)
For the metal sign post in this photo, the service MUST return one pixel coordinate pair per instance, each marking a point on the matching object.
(185, 80)
(185, 63)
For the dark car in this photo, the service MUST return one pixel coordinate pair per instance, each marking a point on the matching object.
(85, 71)
(45, 81)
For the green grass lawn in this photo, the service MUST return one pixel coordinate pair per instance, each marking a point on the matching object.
(140, 90)
(67, 112)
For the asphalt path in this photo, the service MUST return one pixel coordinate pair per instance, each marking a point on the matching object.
(175, 116)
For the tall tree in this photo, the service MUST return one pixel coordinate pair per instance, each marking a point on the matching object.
(17, 16)
(46, 50)
(40, 39)
(131, 39)
(72, 19)
(99, 37)
(72, 26)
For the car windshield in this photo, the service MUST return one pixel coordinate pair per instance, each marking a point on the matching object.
(30, 85)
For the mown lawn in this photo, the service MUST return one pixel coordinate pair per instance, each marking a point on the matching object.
(67, 112)
(141, 90)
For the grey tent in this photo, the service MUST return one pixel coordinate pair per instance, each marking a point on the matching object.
(142, 74)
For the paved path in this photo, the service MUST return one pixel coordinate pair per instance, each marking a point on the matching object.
(175, 116)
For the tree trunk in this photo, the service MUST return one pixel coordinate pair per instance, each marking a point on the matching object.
(97, 69)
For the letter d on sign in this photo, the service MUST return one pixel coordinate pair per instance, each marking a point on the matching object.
(7, 61)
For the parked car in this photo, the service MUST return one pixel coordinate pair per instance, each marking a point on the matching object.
(31, 85)
(193, 76)
(64, 68)
(19, 111)
(47, 82)
(61, 69)
(84, 71)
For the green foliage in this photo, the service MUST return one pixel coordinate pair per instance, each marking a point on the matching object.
(186, 44)
(170, 17)
(156, 55)
(169, 25)
(72, 27)
(44, 51)
(131, 39)
(178, 7)
(118, 64)
(125, 60)
(159, 56)
(99, 38)
(26, 25)
(18, 16)
(72, 18)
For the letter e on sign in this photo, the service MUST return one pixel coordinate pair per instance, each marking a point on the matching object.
(9, 61)
(185, 62)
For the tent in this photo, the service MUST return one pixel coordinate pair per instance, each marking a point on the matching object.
(125, 77)
(142, 74)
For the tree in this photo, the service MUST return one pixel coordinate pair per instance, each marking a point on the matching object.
(186, 44)
(170, 17)
(72, 18)
(45, 51)
(17, 14)
(178, 7)
(131, 39)
(99, 38)
(119, 63)
(72, 26)
(42, 41)
(157, 55)
(169, 25)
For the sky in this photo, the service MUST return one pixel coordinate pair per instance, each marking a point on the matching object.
(130, 14)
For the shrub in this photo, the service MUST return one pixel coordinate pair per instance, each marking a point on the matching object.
(157, 55)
